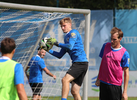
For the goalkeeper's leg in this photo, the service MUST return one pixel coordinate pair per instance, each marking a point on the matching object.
(75, 75)
(65, 85)
(75, 91)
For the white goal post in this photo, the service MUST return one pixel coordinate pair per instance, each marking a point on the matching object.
(86, 12)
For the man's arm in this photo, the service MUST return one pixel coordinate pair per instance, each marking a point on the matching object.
(21, 92)
(70, 44)
(126, 79)
(43, 66)
(26, 72)
(49, 73)
(58, 54)
(97, 83)
(19, 81)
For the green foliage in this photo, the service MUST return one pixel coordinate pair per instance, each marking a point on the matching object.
(126, 4)
(81, 4)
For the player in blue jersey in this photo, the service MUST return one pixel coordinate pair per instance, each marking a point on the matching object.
(37, 65)
(11, 73)
(72, 45)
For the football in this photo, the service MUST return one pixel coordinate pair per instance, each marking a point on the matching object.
(46, 43)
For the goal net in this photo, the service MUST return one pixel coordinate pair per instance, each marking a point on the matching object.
(27, 27)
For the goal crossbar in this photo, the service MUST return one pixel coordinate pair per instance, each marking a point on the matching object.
(42, 8)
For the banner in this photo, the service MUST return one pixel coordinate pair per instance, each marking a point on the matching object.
(126, 21)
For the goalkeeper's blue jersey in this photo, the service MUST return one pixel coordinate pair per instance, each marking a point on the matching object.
(37, 65)
(73, 45)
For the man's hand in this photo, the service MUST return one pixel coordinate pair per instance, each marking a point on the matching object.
(97, 82)
(56, 43)
(52, 41)
(54, 77)
(124, 96)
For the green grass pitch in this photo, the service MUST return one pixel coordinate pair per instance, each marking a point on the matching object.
(71, 98)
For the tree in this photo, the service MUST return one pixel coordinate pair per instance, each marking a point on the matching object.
(81, 4)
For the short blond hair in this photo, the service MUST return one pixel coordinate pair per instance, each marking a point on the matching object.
(65, 20)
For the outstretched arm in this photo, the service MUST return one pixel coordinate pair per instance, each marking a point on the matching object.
(70, 39)
(49, 73)
(69, 44)
(58, 54)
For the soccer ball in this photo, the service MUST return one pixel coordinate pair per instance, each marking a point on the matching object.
(46, 44)
(45, 39)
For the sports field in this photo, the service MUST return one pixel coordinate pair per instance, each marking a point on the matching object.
(96, 98)
(89, 98)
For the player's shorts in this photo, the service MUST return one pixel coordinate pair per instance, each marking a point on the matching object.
(36, 88)
(110, 92)
(78, 71)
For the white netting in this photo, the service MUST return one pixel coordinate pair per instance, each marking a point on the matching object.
(26, 27)
(28, 16)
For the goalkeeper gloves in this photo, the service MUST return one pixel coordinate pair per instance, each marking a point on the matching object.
(53, 41)
(56, 43)
(47, 43)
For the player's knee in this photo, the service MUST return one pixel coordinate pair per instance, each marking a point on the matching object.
(73, 92)
(63, 80)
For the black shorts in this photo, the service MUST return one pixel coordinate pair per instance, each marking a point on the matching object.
(36, 88)
(110, 92)
(78, 71)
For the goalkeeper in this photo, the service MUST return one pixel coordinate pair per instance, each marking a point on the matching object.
(74, 46)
